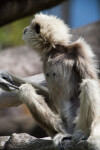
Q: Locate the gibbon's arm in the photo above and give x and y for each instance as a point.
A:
(88, 117)
(38, 82)
(41, 112)
(89, 112)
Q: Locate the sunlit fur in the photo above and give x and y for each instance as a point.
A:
(71, 74)
(53, 31)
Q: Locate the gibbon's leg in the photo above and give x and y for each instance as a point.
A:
(41, 89)
(42, 113)
(37, 105)
(39, 109)
(89, 114)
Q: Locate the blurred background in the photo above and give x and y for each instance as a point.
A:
(23, 61)
(75, 13)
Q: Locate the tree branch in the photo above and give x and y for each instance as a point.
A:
(24, 141)
(11, 10)
(10, 99)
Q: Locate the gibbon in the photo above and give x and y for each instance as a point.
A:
(71, 72)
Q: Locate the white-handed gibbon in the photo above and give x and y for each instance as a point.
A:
(71, 74)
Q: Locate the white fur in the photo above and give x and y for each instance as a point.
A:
(63, 87)
(59, 137)
(53, 28)
(90, 99)
(53, 31)
(28, 96)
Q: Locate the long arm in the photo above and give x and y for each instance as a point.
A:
(40, 110)
(89, 114)
(35, 102)
(89, 105)
(38, 82)
(88, 119)
(38, 106)
(10, 99)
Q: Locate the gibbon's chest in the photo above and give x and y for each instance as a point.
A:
(55, 83)
(62, 82)
(56, 77)
(62, 79)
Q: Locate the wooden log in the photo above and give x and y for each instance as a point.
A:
(11, 10)
(24, 141)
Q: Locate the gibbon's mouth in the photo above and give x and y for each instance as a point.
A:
(25, 30)
(23, 34)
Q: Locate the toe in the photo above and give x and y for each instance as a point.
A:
(78, 136)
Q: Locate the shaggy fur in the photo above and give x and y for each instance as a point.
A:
(71, 73)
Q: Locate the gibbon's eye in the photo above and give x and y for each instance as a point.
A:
(37, 28)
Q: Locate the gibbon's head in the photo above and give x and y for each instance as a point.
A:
(46, 31)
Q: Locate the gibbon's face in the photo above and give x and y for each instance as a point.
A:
(46, 31)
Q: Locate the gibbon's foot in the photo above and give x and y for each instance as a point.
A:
(94, 141)
(67, 140)
(6, 82)
(4, 75)
(60, 137)
(78, 136)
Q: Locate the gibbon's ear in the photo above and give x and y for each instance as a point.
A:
(84, 59)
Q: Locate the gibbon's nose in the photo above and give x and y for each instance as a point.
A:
(25, 30)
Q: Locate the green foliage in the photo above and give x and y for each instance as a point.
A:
(11, 35)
